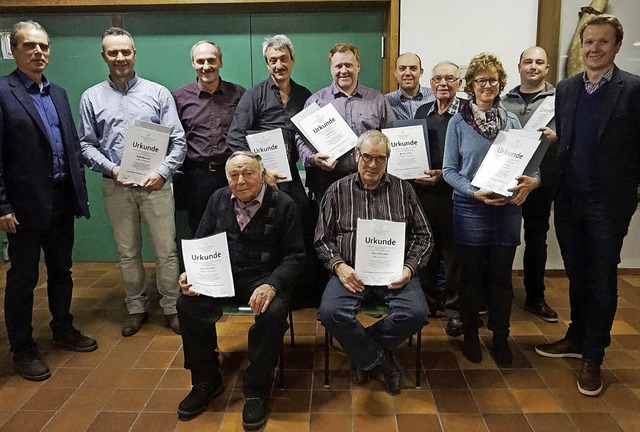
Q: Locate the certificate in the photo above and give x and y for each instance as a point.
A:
(379, 251)
(326, 130)
(271, 147)
(506, 159)
(543, 115)
(208, 266)
(408, 158)
(145, 147)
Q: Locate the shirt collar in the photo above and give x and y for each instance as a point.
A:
(257, 200)
(202, 92)
(605, 78)
(384, 180)
(129, 85)
(452, 109)
(419, 96)
(335, 90)
(31, 85)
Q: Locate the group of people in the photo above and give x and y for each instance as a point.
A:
(275, 235)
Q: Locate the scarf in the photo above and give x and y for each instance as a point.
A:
(487, 124)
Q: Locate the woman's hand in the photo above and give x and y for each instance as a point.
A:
(489, 197)
(525, 185)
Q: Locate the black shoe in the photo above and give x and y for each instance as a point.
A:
(199, 399)
(254, 413)
(455, 327)
(452, 303)
(172, 322)
(471, 348)
(542, 310)
(393, 375)
(359, 376)
(30, 366)
(133, 323)
(75, 341)
(501, 352)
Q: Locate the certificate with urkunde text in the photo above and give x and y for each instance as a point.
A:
(145, 147)
(506, 159)
(271, 147)
(408, 159)
(543, 115)
(379, 251)
(326, 130)
(208, 267)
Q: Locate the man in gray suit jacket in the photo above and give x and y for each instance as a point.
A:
(598, 128)
(42, 189)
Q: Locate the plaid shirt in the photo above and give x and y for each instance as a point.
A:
(590, 88)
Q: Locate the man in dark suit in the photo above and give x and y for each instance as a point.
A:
(598, 127)
(42, 188)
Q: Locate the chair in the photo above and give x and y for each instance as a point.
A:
(234, 310)
(374, 310)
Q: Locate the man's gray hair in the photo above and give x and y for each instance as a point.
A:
(249, 154)
(447, 63)
(374, 137)
(13, 36)
(277, 42)
(117, 31)
(213, 44)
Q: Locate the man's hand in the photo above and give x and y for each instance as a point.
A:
(272, 177)
(489, 197)
(549, 133)
(525, 185)
(8, 223)
(184, 286)
(153, 182)
(321, 160)
(261, 298)
(349, 278)
(404, 279)
(435, 177)
(115, 172)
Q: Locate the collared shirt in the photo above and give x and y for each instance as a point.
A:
(590, 88)
(364, 110)
(405, 107)
(347, 200)
(451, 109)
(106, 113)
(437, 127)
(206, 118)
(261, 109)
(246, 211)
(41, 97)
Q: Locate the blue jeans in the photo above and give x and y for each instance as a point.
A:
(478, 224)
(408, 313)
(590, 240)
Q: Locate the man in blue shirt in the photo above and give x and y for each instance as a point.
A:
(410, 95)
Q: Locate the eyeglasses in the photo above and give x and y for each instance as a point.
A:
(450, 79)
(367, 158)
(482, 82)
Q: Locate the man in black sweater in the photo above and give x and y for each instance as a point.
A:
(264, 235)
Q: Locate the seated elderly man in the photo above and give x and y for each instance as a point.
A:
(371, 193)
(264, 234)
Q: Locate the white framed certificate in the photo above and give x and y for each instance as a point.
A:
(408, 159)
(145, 147)
(208, 266)
(271, 147)
(326, 130)
(379, 251)
(543, 115)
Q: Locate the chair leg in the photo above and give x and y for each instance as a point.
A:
(281, 369)
(327, 336)
(418, 358)
(291, 332)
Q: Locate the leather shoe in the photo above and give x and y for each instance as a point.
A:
(542, 310)
(133, 323)
(254, 413)
(590, 379)
(562, 349)
(75, 341)
(471, 348)
(30, 366)
(452, 303)
(359, 376)
(393, 375)
(172, 322)
(454, 327)
(501, 352)
(199, 399)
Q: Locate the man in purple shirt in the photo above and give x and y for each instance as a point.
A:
(206, 108)
(363, 109)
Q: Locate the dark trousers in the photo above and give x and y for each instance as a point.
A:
(590, 241)
(487, 271)
(536, 211)
(194, 188)
(198, 317)
(22, 277)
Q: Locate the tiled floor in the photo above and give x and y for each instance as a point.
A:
(136, 383)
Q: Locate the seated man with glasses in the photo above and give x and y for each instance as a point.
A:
(371, 193)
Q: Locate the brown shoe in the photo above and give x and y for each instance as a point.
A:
(133, 323)
(561, 349)
(172, 322)
(589, 380)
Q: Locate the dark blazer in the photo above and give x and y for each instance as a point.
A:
(617, 152)
(26, 157)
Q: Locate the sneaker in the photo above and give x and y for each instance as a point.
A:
(454, 327)
(393, 375)
(590, 380)
(30, 366)
(501, 352)
(172, 322)
(359, 376)
(564, 348)
(542, 310)
(471, 348)
(254, 413)
(199, 399)
(483, 310)
(133, 323)
(75, 341)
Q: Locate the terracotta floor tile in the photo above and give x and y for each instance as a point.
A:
(131, 400)
(290, 401)
(595, 422)
(136, 343)
(414, 402)
(175, 379)
(551, 422)
(23, 421)
(330, 422)
(12, 398)
(70, 420)
(120, 358)
(523, 379)
(484, 379)
(370, 402)
(446, 379)
(418, 423)
(558, 378)
(297, 379)
(631, 377)
(46, 399)
(68, 377)
(462, 423)
(142, 378)
(507, 423)
(629, 422)
(4, 417)
(331, 401)
(439, 360)
(629, 342)
(338, 380)
(496, 401)
(88, 399)
(165, 400)
(536, 400)
(287, 422)
(454, 401)
(105, 377)
(205, 422)
(620, 360)
(112, 421)
(90, 359)
(156, 422)
(620, 399)
(165, 343)
(572, 401)
(373, 423)
(155, 360)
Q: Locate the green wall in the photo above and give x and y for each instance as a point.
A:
(163, 42)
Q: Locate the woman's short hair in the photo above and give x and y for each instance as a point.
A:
(481, 63)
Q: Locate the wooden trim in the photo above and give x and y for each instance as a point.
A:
(102, 3)
(391, 32)
(549, 14)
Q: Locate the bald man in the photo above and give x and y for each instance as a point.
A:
(410, 95)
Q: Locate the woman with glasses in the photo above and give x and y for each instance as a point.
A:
(486, 225)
